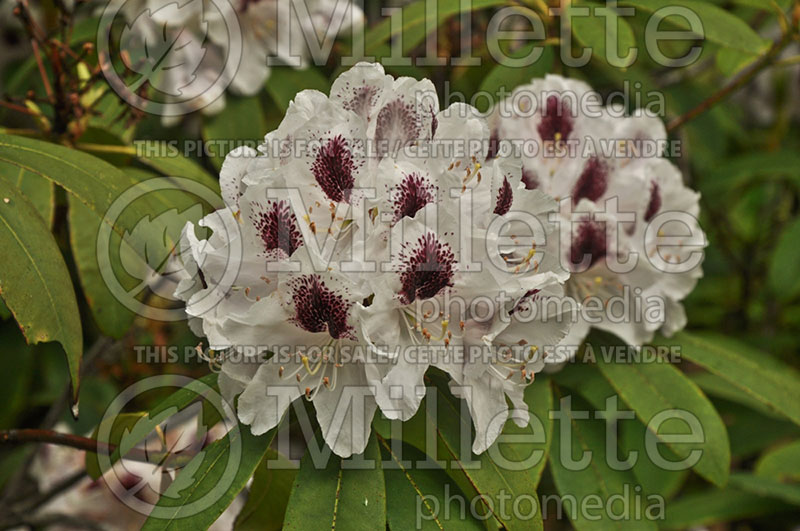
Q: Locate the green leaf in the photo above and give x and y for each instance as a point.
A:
(346, 494)
(95, 182)
(503, 79)
(752, 372)
(168, 161)
(782, 464)
(39, 192)
(594, 480)
(719, 26)
(111, 316)
(782, 278)
(745, 169)
(713, 385)
(715, 506)
(765, 486)
(218, 472)
(414, 28)
(241, 123)
(655, 387)
(588, 381)
(35, 283)
(416, 496)
(730, 61)
(284, 83)
(484, 474)
(268, 496)
(591, 32)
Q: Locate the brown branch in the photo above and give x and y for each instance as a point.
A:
(738, 82)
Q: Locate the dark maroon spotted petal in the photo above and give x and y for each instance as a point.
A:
(655, 202)
(427, 269)
(434, 123)
(523, 301)
(494, 145)
(592, 183)
(530, 179)
(589, 239)
(318, 308)
(411, 196)
(504, 198)
(334, 168)
(362, 101)
(397, 125)
(556, 122)
(277, 227)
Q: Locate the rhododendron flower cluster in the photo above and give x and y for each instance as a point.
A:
(628, 223)
(371, 225)
(373, 235)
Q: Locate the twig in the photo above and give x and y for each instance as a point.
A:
(741, 80)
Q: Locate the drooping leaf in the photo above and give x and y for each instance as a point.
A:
(719, 26)
(766, 486)
(422, 496)
(653, 388)
(35, 283)
(268, 496)
(111, 316)
(715, 506)
(170, 162)
(782, 277)
(782, 463)
(754, 373)
(343, 494)
(584, 479)
(39, 192)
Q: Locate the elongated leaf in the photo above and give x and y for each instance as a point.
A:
(588, 381)
(752, 372)
(783, 280)
(766, 486)
(422, 497)
(268, 496)
(714, 386)
(39, 192)
(112, 317)
(488, 476)
(592, 32)
(94, 182)
(345, 494)
(782, 464)
(284, 83)
(242, 123)
(714, 506)
(414, 28)
(653, 388)
(170, 162)
(215, 477)
(35, 283)
(594, 480)
(719, 26)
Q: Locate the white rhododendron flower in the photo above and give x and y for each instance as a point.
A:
(372, 229)
(619, 200)
(189, 45)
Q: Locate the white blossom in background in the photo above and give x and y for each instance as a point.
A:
(360, 225)
(134, 483)
(182, 48)
(572, 130)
